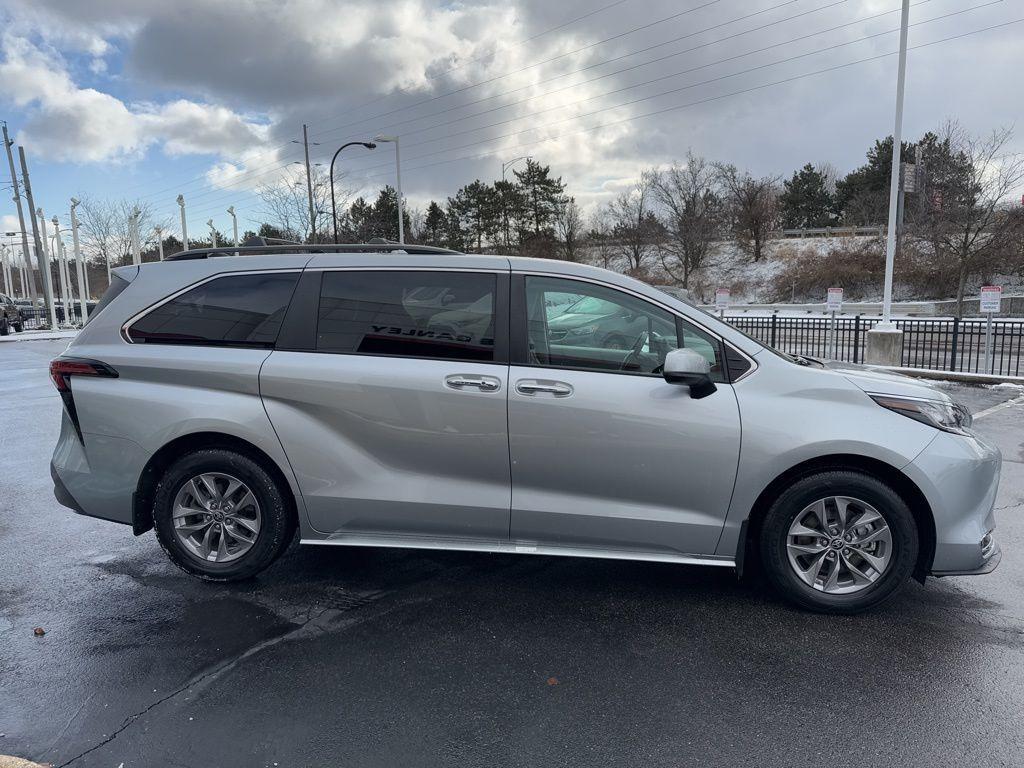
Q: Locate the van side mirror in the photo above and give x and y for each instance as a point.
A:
(684, 366)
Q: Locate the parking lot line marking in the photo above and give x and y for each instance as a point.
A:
(1008, 404)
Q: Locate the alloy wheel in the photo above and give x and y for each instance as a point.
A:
(216, 517)
(839, 545)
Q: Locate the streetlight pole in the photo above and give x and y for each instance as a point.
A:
(510, 163)
(45, 260)
(136, 244)
(159, 241)
(62, 270)
(234, 224)
(184, 228)
(334, 212)
(83, 283)
(398, 179)
(213, 233)
(44, 273)
(885, 341)
(8, 143)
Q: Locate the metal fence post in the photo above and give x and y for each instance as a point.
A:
(956, 339)
(856, 339)
(774, 318)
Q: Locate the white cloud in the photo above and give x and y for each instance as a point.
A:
(68, 123)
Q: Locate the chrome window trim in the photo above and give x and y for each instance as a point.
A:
(674, 312)
(126, 326)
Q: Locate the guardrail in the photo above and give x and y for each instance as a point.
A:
(873, 231)
(950, 344)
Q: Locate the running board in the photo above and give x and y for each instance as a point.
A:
(515, 548)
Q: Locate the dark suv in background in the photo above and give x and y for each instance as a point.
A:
(10, 316)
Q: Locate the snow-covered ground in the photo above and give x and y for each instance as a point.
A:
(38, 335)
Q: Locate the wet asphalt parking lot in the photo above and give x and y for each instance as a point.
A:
(373, 657)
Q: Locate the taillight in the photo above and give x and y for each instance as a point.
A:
(62, 368)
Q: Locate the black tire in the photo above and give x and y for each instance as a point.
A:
(806, 491)
(19, 327)
(277, 526)
(5, 327)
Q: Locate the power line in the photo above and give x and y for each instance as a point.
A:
(249, 176)
(437, 75)
(647, 98)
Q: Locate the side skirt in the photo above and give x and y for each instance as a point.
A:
(516, 548)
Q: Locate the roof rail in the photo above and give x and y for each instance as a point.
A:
(300, 248)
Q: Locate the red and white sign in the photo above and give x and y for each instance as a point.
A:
(722, 298)
(991, 295)
(835, 300)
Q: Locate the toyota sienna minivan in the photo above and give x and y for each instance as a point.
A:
(227, 400)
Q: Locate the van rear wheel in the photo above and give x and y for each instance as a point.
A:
(839, 542)
(221, 516)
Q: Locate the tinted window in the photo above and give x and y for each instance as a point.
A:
(117, 284)
(238, 310)
(607, 330)
(447, 315)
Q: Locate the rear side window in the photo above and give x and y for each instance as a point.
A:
(235, 310)
(117, 284)
(443, 315)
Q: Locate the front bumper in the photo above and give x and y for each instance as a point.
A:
(959, 477)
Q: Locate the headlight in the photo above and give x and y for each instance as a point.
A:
(944, 415)
(585, 330)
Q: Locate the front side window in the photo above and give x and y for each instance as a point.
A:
(235, 310)
(443, 315)
(603, 329)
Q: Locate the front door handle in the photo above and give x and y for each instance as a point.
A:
(543, 386)
(472, 380)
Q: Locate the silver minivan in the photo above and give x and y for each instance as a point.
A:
(394, 396)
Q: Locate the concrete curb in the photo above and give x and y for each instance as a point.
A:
(964, 378)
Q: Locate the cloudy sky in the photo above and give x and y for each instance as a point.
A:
(148, 98)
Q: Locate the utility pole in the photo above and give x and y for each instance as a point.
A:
(184, 228)
(8, 143)
(309, 185)
(83, 284)
(41, 259)
(885, 340)
(159, 241)
(398, 180)
(213, 233)
(8, 280)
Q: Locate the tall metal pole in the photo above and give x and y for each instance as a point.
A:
(334, 210)
(398, 178)
(159, 241)
(136, 244)
(894, 181)
(8, 280)
(62, 271)
(235, 224)
(213, 233)
(309, 185)
(42, 255)
(184, 228)
(83, 285)
(8, 143)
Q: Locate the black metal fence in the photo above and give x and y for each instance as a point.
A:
(38, 317)
(951, 344)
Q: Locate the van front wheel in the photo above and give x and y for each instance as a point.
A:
(839, 542)
(221, 516)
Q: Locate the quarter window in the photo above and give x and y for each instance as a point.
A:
(236, 310)
(444, 315)
(572, 324)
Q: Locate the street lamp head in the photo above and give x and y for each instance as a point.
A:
(382, 139)
(75, 202)
(210, 223)
(56, 221)
(181, 200)
(369, 145)
(231, 210)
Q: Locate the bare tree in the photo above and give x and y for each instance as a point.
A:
(599, 237)
(964, 214)
(569, 229)
(635, 228)
(694, 214)
(286, 204)
(752, 205)
(106, 229)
